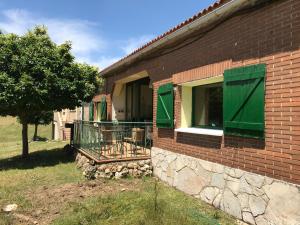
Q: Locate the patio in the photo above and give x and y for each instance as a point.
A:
(113, 141)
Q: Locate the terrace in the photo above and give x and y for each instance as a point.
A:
(113, 141)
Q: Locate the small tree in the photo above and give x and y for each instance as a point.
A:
(44, 118)
(36, 75)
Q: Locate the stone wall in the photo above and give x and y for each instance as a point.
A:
(113, 170)
(252, 198)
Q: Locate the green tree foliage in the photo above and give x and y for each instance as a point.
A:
(36, 75)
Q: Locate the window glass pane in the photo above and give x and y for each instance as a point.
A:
(208, 106)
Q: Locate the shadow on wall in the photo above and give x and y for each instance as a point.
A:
(165, 133)
(205, 141)
(240, 143)
(215, 142)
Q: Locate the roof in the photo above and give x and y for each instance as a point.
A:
(185, 23)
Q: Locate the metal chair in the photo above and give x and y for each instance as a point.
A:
(136, 139)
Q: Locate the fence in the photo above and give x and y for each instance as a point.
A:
(113, 140)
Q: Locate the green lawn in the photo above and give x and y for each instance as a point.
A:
(50, 190)
(11, 132)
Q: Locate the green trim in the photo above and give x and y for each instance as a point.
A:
(208, 127)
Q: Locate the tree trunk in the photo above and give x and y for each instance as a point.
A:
(25, 149)
(35, 132)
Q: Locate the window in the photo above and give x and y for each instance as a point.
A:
(207, 109)
(233, 103)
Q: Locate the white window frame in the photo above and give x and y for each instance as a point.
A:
(186, 107)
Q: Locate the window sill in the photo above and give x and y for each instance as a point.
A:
(203, 131)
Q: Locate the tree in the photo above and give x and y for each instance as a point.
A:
(37, 75)
(44, 118)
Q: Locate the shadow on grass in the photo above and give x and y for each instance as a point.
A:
(42, 158)
(38, 138)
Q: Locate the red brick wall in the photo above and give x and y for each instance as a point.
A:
(269, 34)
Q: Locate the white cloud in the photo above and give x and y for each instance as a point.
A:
(79, 32)
(102, 61)
(133, 43)
(87, 45)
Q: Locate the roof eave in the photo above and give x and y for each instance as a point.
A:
(217, 14)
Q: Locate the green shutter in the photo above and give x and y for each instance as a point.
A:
(165, 105)
(103, 109)
(91, 111)
(243, 101)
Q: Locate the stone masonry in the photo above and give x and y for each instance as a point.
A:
(113, 170)
(252, 198)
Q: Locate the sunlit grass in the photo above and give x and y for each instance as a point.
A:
(49, 165)
(11, 133)
(141, 208)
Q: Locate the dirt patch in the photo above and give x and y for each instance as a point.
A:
(49, 202)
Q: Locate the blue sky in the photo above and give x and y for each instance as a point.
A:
(101, 31)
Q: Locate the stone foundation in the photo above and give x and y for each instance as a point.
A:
(114, 170)
(250, 197)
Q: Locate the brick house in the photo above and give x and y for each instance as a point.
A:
(223, 91)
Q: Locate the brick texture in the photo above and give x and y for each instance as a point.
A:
(269, 34)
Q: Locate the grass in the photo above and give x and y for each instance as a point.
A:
(141, 208)
(49, 189)
(47, 165)
(11, 132)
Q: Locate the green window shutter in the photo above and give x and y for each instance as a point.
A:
(91, 111)
(165, 105)
(243, 101)
(103, 109)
